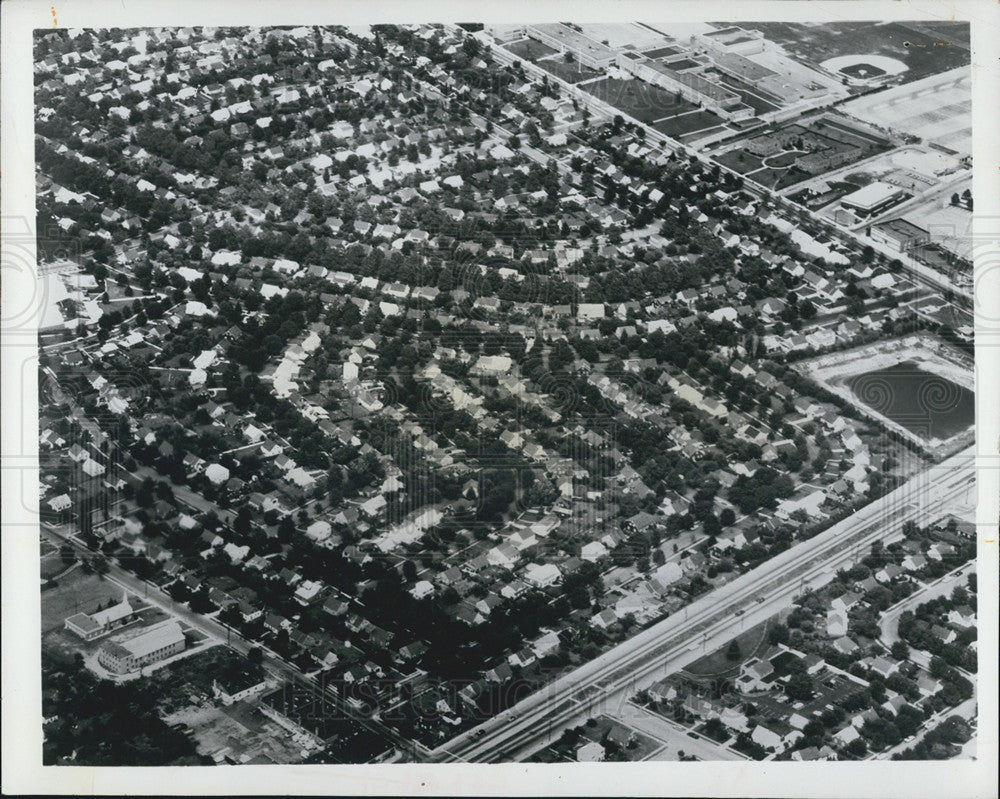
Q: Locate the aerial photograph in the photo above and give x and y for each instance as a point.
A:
(478, 393)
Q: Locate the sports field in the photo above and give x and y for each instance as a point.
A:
(926, 48)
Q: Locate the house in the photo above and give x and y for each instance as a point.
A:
(308, 591)
(663, 691)
(844, 602)
(604, 619)
(775, 735)
(884, 667)
(846, 736)
(590, 752)
(927, 685)
(836, 624)
(844, 645)
(914, 563)
(755, 675)
(944, 634)
(593, 551)
(619, 736)
(546, 644)
(422, 589)
(939, 551)
(542, 575)
(888, 573)
(963, 617)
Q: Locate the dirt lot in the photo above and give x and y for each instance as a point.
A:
(242, 732)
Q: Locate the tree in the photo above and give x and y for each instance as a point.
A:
(900, 651)
(255, 655)
(799, 687)
(733, 650)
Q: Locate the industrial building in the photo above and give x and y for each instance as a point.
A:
(567, 40)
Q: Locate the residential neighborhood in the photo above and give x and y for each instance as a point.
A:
(418, 369)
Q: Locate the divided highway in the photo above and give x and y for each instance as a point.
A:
(605, 683)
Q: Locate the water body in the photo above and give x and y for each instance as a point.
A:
(926, 404)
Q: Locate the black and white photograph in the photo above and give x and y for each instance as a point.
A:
(427, 394)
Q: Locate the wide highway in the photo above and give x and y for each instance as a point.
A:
(605, 683)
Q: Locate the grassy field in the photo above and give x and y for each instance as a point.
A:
(638, 99)
(715, 664)
(76, 593)
(740, 161)
(530, 49)
(688, 123)
(572, 72)
(783, 159)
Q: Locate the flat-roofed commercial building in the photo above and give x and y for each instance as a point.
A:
(692, 87)
(873, 198)
(564, 39)
(900, 234)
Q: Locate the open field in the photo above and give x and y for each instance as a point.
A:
(688, 123)
(569, 71)
(740, 161)
(639, 99)
(76, 593)
(530, 49)
(925, 49)
(937, 109)
(919, 387)
(716, 665)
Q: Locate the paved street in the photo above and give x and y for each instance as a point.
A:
(674, 737)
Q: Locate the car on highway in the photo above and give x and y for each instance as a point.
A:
(480, 733)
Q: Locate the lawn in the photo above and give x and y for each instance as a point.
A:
(778, 178)
(701, 133)
(716, 664)
(639, 99)
(572, 72)
(530, 49)
(783, 159)
(688, 123)
(740, 161)
(76, 593)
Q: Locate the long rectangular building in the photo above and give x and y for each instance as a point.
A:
(564, 39)
(131, 654)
